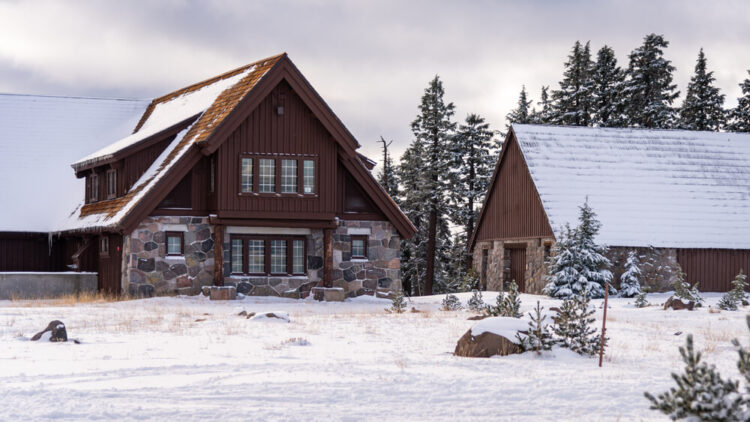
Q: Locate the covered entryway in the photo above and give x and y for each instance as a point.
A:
(515, 267)
(110, 263)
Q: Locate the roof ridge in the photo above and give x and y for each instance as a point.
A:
(653, 129)
(198, 85)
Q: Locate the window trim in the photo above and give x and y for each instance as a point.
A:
(364, 239)
(111, 177)
(169, 234)
(267, 254)
(277, 158)
(93, 188)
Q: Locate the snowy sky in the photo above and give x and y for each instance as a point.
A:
(370, 60)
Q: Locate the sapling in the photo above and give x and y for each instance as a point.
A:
(476, 303)
(573, 326)
(398, 304)
(538, 336)
(452, 303)
(683, 290)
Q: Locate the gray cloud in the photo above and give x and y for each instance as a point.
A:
(369, 59)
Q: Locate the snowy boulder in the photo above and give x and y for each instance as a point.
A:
(490, 337)
(270, 316)
(678, 305)
(55, 332)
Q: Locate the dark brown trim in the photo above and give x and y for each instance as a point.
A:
(278, 158)
(361, 216)
(327, 258)
(183, 212)
(181, 235)
(275, 215)
(274, 223)
(364, 238)
(267, 241)
(219, 255)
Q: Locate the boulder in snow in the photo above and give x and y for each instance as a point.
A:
(678, 305)
(223, 293)
(270, 316)
(55, 332)
(490, 337)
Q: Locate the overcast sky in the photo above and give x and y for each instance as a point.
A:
(370, 60)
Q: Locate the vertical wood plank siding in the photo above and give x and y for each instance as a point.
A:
(296, 131)
(30, 252)
(135, 165)
(714, 269)
(513, 208)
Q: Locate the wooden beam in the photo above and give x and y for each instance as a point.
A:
(274, 223)
(218, 255)
(327, 258)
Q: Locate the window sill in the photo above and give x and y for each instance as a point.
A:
(278, 195)
(359, 260)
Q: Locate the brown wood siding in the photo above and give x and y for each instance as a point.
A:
(714, 269)
(133, 166)
(296, 131)
(514, 209)
(31, 252)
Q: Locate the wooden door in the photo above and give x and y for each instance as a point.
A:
(517, 268)
(110, 263)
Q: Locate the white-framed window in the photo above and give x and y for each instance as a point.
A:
(246, 175)
(309, 176)
(359, 246)
(288, 176)
(278, 256)
(256, 256)
(237, 256)
(298, 256)
(267, 177)
(174, 243)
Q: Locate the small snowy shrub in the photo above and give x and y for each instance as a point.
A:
(630, 281)
(727, 303)
(538, 337)
(573, 326)
(452, 303)
(702, 394)
(736, 297)
(640, 300)
(469, 281)
(506, 305)
(398, 304)
(683, 290)
(476, 303)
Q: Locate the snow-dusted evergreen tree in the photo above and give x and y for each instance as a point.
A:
(701, 393)
(740, 115)
(434, 128)
(630, 280)
(398, 303)
(545, 113)
(736, 297)
(538, 336)
(573, 326)
(506, 305)
(413, 200)
(451, 303)
(522, 113)
(476, 303)
(608, 109)
(648, 89)
(387, 177)
(684, 291)
(703, 108)
(579, 265)
(640, 300)
(472, 161)
(573, 101)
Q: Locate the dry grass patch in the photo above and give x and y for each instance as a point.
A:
(70, 300)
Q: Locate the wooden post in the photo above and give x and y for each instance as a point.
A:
(327, 258)
(218, 255)
(604, 323)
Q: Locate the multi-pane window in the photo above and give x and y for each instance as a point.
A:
(309, 176)
(267, 181)
(94, 188)
(174, 243)
(268, 254)
(111, 183)
(298, 256)
(237, 256)
(288, 176)
(359, 246)
(278, 256)
(246, 175)
(256, 256)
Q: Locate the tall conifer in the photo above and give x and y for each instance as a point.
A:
(740, 116)
(608, 78)
(573, 101)
(703, 108)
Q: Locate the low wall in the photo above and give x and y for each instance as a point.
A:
(45, 285)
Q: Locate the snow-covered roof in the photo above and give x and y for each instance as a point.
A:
(662, 188)
(39, 137)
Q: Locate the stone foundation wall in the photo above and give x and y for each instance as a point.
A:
(147, 268)
(380, 272)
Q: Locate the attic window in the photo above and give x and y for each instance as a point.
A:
(111, 183)
(94, 187)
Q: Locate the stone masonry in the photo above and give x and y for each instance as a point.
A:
(148, 269)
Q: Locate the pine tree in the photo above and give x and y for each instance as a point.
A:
(703, 106)
(472, 162)
(573, 326)
(413, 200)
(434, 128)
(640, 300)
(736, 297)
(521, 114)
(451, 303)
(538, 337)
(740, 115)
(630, 284)
(573, 101)
(388, 178)
(398, 304)
(506, 305)
(579, 264)
(476, 303)
(648, 89)
(683, 290)
(701, 393)
(608, 108)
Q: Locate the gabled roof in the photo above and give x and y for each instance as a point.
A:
(220, 104)
(661, 188)
(39, 136)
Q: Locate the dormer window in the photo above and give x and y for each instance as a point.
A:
(111, 183)
(93, 187)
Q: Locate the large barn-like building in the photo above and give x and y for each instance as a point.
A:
(679, 198)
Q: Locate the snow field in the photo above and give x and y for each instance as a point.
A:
(188, 358)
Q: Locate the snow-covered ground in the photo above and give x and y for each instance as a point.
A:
(187, 358)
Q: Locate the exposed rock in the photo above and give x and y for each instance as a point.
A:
(206, 290)
(263, 291)
(250, 315)
(57, 332)
(314, 262)
(242, 313)
(333, 294)
(476, 318)
(150, 246)
(223, 293)
(678, 305)
(278, 316)
(244, 287)
(146, 265)
(485, 345)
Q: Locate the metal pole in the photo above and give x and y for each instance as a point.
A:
(604, 323)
